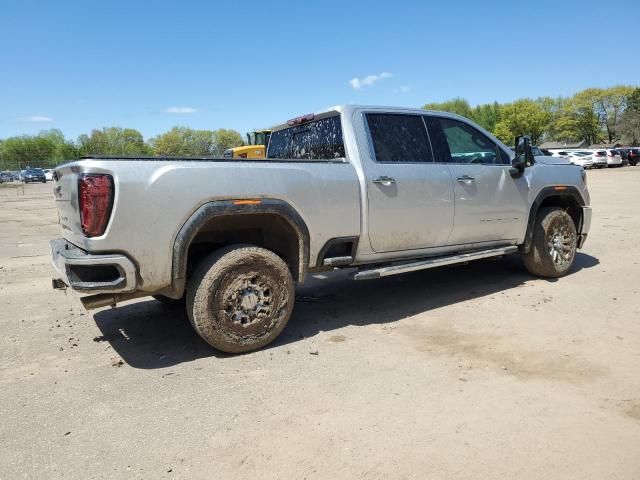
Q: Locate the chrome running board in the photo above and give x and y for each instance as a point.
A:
(395, 268)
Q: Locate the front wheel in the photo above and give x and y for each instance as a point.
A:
(240, 298)
(554, 245)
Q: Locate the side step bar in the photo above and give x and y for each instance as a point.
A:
(395, 268)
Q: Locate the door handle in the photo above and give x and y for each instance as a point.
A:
(466, 179)
(384, 180)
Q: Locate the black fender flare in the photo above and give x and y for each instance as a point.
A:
(565, 192)
(222, 208)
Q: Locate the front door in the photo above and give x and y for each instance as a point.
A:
(490, 205)
(409, 197)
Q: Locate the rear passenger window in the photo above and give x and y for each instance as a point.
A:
(399, 138)
(458, 142)
(318, 140)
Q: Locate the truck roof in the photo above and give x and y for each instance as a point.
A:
(351, 107)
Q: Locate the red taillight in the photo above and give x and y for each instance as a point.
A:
(95, 196)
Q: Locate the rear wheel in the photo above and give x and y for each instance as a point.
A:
(554, 245)
(240, 298)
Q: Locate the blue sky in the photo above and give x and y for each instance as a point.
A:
(78, 65)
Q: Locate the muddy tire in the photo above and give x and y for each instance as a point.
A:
(240, 298)
(553, 249)
(171, 302)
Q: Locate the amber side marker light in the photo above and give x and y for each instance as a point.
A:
(246, 202)
(560, 188)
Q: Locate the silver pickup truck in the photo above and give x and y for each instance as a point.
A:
(377, 189)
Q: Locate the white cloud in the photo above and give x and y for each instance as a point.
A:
(36, 119)
(368, 81)
(181, 110)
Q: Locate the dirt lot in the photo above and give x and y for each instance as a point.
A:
(479, 371)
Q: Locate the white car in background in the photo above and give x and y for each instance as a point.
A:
(580, 158)
(48, 174)
(614, 159)
(599, 158)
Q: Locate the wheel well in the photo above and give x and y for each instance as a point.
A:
(567, 201)
(267, 230)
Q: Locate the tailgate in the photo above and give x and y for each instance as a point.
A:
(65, 191)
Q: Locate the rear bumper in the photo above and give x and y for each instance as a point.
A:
(105, 273)
(586, 225)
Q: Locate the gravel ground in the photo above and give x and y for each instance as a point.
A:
(476, 371)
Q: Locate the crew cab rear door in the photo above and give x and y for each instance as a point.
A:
(409, 197)
(490, 204)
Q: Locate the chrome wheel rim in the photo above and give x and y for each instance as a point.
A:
(248, 300)
(562, 245)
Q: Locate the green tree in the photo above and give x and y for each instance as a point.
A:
(578, 119)
(183, 141)
(226, 139)
(27, 150)
(113, 141)
(64, 151)
(522, 117)
(609, 104)
(629, 124)
(456, 105)
(487, 115)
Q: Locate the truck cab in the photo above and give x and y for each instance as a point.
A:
(380, 190)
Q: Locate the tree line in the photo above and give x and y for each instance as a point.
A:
(49, 147)
(595, 115)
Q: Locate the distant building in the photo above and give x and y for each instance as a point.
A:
(567, 145)
(606, 145)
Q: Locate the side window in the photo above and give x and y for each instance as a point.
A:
(318, 140)
(464, 144)
(399, 138)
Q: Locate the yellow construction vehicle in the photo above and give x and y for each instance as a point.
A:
(256, 146)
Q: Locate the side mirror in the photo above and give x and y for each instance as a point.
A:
(524, 155)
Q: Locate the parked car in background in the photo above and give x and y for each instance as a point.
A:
(599, 158)
(557, 152)
(34, 175)
(613, 158)
(624, 154)
(48, 174)
(634, 156)
(581, 159)
(6, 177)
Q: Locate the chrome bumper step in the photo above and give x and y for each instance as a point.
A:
(422, 264)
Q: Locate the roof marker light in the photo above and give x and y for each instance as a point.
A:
(300, 120)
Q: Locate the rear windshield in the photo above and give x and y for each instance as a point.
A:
(318, 140)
